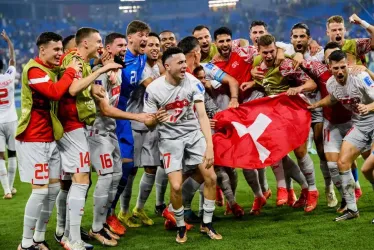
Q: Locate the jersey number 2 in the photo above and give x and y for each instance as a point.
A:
(133, 77)
(3, 96)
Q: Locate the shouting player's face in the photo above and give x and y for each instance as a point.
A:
(176, 66)
(300, 40)
(51, 53)
(153, 48)
(118, 47)
(268, 54)
(138, 41)
(339, 70)
(256, 32)
(204, 38)
(167, 40)
(336, 32)
(224, 44)
(94, 45)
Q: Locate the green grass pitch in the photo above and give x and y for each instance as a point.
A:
(276, 228)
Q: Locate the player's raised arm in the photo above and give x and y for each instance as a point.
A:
(12, 55)
(370, 28)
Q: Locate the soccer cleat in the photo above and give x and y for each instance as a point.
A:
(282, 196)
(191, 217)
(312, 201)
(258, 203)
(220, 201)
(88, 246)
(343, 207)
(140, 213)
(348, 215)
(22, 248)
(115, 226)
(128, 220)
(237, 210)
(228, 210)
(78, 245)
(302, 199)
(181, 235)
(331, 198)
(267, 193)
(291, 197)
(7, 196)
(358, 193)
(210, 231)
(169, 216)
(41, 245)
(14, 191)
(64, 241)
(58, 238)
(84, 235)
(110, 233)
(159, 209)
(103, 237)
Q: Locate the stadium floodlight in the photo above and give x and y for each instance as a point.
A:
(132, 0)
(222, 3)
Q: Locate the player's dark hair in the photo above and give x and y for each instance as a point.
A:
(154, 35)
(67, 40)
(137, 26)
(47, 37)
(169, 53)
(109, 39)
(166, 31)
(257, 23)
(222, 31)
(301, 26)
(337, 56)
(83, 33)
(265, 40)
(187, 44)
(332, 45)
(198, 28)
(197, 70)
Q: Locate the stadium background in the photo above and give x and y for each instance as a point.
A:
(275, 228)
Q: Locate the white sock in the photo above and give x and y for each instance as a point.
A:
(209, 206)
(4, 177)
(161, 183)
(12, 168)
(61, 211)
(179, 216)
(279, 174)
(348, 184)
(145, 189)
(307, 168)
(100, 196)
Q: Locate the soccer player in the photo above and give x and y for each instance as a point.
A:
(76, 111)
(355, 48)
(104, 147)
(38, 128)
(8, 123)
(135, 60)
(356, 94)
(167, 39)
(69, 43)
(183, 143)
(277, 79)
(146, 153)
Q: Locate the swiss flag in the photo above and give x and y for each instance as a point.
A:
(261, 132)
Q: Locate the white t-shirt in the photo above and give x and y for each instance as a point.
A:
(8, 111)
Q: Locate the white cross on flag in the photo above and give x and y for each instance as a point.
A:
(261, 132)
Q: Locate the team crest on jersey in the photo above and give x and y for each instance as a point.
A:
(235, 64)
(200, 87)
(368, 81)
(98, 82)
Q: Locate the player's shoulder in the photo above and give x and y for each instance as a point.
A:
(155, 84)
(331, 82)
(11, 70)
(363, 77)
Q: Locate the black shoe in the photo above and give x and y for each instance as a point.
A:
(58, 238)
(84, 235)
(159, 209)
(41, 245)
(181, 235)
(190, 217)
(348, 215)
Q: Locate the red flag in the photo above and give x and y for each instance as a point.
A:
(261, 132)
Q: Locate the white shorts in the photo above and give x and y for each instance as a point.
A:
(183, 153)
(7, 136)
(317, 116)
(333, 135)
(38, 162)
(146, 151)
(74, 151)
(105, 153)
(362, 140)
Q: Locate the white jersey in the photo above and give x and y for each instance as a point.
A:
(289, 50)
(8, 111)
(135, 103)
(357, 90)
(178, 101)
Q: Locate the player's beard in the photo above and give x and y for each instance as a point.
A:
(341, 78)
(225, 53)
(301, 48)
(118, 59)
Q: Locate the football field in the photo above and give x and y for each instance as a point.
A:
(275, 228)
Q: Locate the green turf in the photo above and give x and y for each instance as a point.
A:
(275, 228)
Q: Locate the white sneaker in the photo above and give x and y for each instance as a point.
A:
(331, 198)
(14, 191)
(78, 245)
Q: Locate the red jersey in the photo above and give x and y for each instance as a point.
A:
(335, 114)
(239, 65)
(44, 89)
